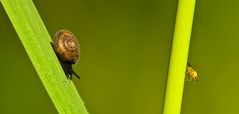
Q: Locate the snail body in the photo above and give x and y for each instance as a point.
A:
(67, 49)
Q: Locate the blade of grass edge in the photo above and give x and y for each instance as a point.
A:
(36, 41)
(179, 56)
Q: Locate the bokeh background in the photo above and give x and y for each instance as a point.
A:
(125, 49)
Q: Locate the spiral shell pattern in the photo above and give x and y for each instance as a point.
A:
(66, 46)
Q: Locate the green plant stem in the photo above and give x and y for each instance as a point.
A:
(36, 41)
(178, 58)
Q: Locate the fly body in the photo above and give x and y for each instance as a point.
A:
(191, 73)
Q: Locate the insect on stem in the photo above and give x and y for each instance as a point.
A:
(191, 73)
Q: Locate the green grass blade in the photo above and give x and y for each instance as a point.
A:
(179, 55)
(36, 41)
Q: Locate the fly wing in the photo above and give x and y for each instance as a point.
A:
(189, 64)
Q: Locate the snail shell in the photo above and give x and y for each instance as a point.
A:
(66, 46)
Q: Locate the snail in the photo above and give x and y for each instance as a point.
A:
(67, 49)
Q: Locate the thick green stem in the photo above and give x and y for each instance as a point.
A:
(36, 41)
(179, 55)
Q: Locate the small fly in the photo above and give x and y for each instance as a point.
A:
(191, 73)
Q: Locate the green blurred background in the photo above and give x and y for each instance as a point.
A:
(125, 49)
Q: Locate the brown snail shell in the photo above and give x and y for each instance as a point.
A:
(67, 49)
(66, 46)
